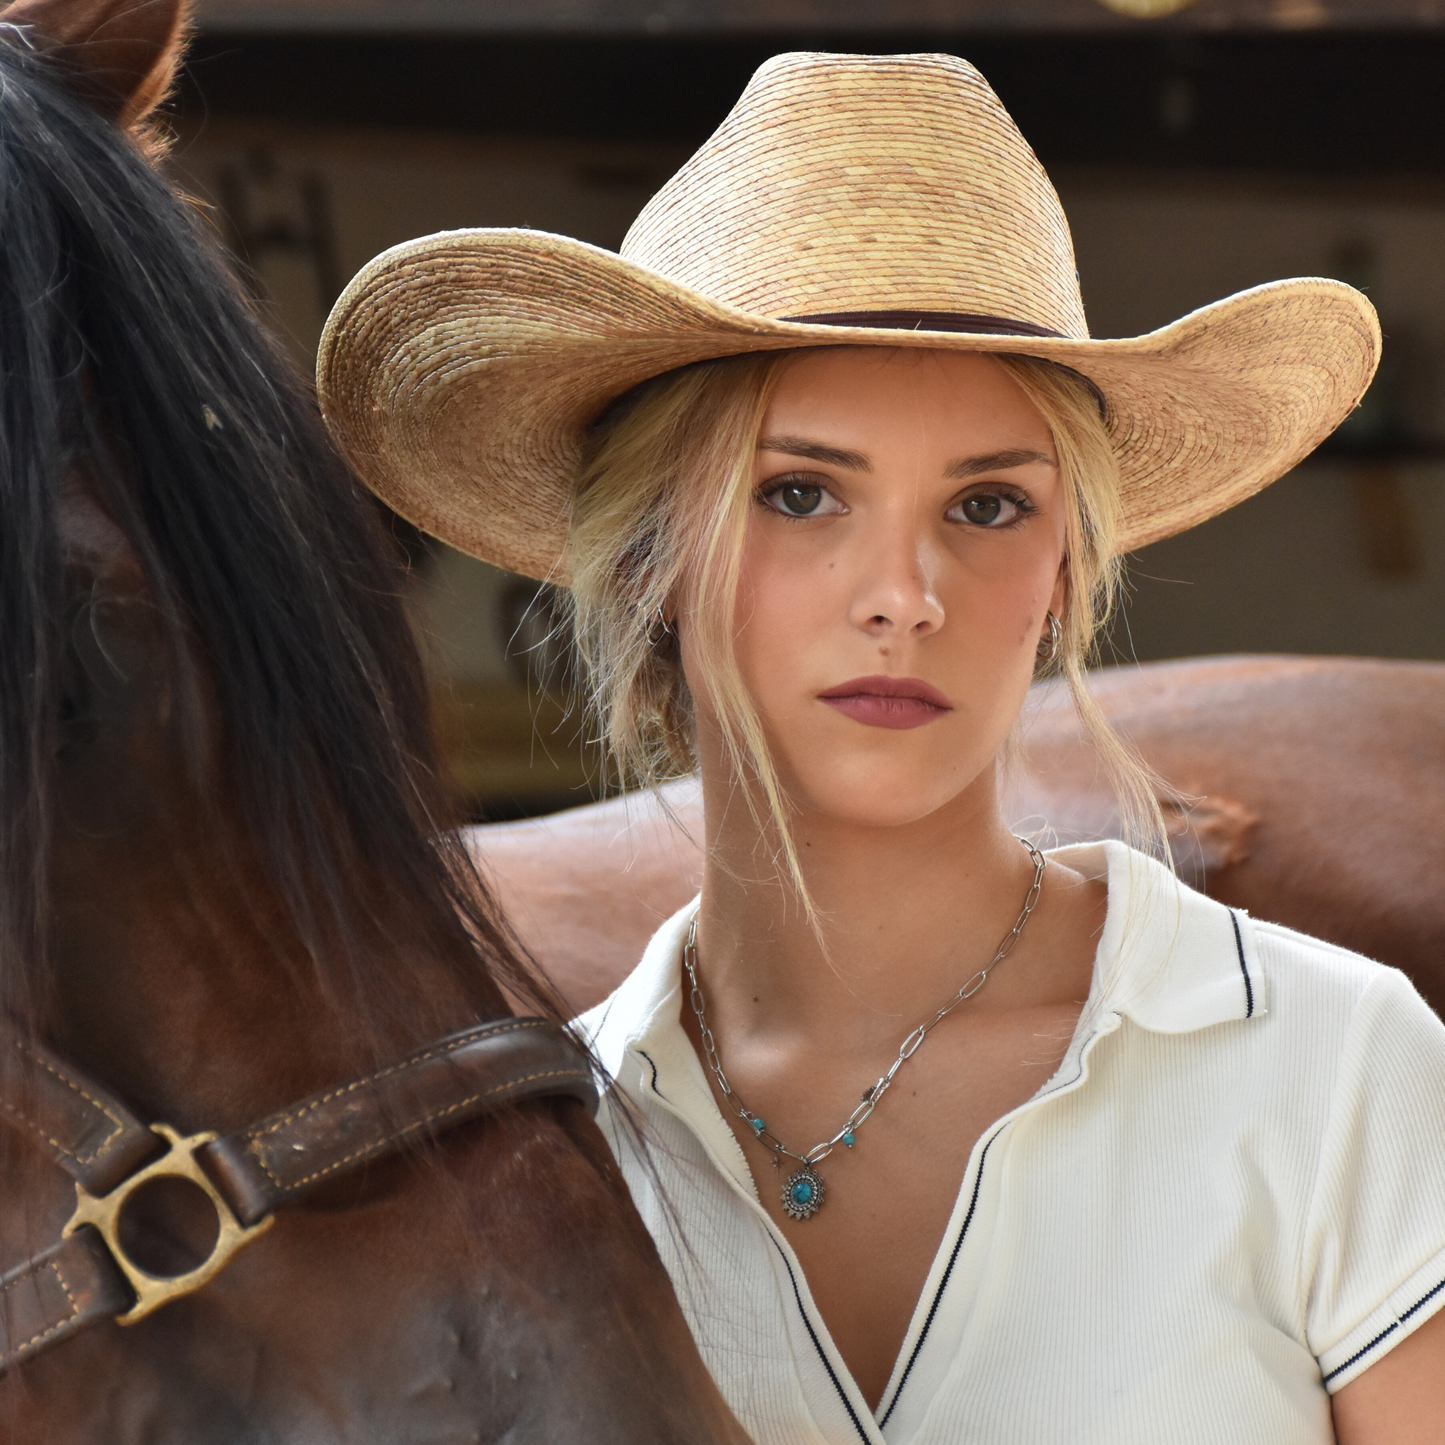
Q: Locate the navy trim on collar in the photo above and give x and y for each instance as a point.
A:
(1243, 967)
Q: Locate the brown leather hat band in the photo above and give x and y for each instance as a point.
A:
(962, 321)
(929, 321)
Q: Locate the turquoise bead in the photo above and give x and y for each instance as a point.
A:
(848, 1139)
(759, 1125)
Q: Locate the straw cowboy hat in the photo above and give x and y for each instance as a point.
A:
(847, 199)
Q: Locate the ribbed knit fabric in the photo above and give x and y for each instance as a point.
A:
(1225, 1204)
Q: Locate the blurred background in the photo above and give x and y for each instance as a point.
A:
(1199, 148)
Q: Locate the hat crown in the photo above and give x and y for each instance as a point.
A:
(845, 183)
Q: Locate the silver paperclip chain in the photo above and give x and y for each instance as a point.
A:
(907, 1049)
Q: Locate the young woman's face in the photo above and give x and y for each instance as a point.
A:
(905, 542)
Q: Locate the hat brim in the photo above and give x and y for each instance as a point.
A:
(459, 374)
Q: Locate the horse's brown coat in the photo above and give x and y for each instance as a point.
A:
(498, 1285)
(1314, 796)
(495, 1285)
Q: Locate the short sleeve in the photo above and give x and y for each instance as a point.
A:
(1374, 1245)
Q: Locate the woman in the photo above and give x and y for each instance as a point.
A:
(953, 1140)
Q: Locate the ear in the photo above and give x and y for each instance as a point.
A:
(1060, 599)
(121, 55)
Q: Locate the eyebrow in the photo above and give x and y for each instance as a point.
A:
(958, 470)
(964, 467)
(816, 452)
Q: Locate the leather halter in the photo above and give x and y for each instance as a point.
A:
(87, 1276)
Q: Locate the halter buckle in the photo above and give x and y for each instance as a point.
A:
(103, 1214)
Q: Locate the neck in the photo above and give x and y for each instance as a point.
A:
(905, 914)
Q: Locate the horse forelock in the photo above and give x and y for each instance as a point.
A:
(127, 343)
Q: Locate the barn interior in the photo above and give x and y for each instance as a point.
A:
(1199, 149)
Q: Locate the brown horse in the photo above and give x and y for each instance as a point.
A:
(1310, 791)
(224, 880)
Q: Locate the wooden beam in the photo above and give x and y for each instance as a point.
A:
(813, 17)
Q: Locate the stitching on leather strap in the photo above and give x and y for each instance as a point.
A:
(30, 1124)
(81, 1311)
(382, 1144)
(44, 1334)
(486, 1030)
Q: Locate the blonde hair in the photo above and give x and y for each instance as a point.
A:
(663, 494)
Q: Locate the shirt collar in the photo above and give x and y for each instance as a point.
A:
(1169, 958)
(648, 1002)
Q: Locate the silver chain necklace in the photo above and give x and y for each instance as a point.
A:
(803, 1192)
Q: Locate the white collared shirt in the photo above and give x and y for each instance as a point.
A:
(1228, 1201)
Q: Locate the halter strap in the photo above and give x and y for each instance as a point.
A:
(86, 1276)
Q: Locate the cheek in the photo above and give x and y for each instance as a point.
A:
(988, 649)
(1008, 590)
(784, 603)
(1000, 594)
(1024, 602)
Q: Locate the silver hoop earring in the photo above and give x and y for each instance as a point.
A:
(1048, 648)
(663, 624)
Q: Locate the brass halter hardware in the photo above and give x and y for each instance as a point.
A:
(86, 1276)
(103, 1213)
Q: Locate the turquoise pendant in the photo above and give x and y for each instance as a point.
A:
(803, 1193)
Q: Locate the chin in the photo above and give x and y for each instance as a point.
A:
(871, 795)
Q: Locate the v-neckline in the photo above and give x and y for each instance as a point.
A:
(920, 1344)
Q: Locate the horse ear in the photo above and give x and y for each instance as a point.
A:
(121, 55)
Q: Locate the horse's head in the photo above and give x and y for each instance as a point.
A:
(206, 670)
(117, 712)
(115, 679)
(220, 823)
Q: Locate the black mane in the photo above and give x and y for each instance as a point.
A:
(126, 340)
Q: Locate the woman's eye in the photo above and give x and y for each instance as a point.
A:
(986, 509)
(802, 499)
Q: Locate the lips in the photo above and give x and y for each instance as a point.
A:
(887, 702)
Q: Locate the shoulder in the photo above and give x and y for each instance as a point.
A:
(1346, 1029)
(1292, 955)
(1177, 962)
(1273, 1019)
(1317, 981)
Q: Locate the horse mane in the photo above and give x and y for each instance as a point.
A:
(128, 345)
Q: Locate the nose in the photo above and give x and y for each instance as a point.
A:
(894, 596)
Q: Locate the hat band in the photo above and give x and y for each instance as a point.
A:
(929, 321)
(951, 321)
